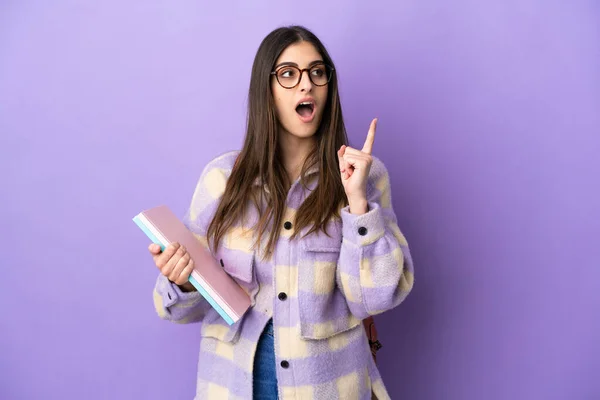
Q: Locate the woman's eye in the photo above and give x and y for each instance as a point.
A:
(288, 73)
(318, 72)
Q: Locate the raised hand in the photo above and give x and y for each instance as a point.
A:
(355, 166)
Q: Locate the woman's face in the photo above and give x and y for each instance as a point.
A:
(300, 108)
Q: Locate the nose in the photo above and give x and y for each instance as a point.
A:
(305, 84)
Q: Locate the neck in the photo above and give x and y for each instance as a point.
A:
(294, 151)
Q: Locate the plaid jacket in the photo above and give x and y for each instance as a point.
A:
(317, 289)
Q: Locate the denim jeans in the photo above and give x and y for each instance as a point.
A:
(265, 378)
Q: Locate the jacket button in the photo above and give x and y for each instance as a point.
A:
(282, 296)
(287, 225)
(222, 265)
(362, 231)
(285, 364)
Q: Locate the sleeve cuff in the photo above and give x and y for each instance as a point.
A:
(172, 294)
(363, 229)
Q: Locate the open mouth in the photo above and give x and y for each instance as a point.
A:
(306, 110)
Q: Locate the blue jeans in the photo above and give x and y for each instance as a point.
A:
(265, 378)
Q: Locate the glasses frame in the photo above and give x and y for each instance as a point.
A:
(327, 66)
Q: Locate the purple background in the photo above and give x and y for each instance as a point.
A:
(489, 124)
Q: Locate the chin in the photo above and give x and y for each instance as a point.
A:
(304, 130)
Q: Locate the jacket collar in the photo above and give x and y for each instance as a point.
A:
(309, 173)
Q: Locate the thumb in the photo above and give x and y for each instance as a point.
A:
(154, 248)
(340, 154)
(344, 165)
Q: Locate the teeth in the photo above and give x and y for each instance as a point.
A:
(305, 103)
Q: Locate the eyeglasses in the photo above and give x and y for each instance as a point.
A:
(289, 76)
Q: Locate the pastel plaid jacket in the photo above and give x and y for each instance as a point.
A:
(317, 289)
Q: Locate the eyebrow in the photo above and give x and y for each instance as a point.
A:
(296, 65)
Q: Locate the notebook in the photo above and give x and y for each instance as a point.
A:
(223, 293)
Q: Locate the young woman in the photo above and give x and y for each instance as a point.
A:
(305, 225)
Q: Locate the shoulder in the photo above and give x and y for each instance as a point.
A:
(215, 174)
(210, 186)
(223, 162)
(219, 168)
(378, 182)
(378, 171)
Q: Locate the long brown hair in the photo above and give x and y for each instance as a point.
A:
(260, 158)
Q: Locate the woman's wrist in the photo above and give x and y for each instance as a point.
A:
(358, 206)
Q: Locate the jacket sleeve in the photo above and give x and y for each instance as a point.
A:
(375, 270)
(170, 302)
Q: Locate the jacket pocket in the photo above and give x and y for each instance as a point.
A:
(214, 326)
(323, 310)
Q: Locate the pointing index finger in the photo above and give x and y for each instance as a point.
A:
(368, 146)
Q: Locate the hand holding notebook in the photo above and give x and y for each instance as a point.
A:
(202, 270)
(175, 263)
